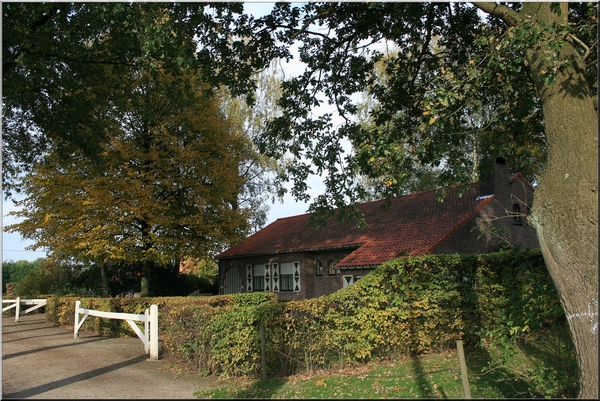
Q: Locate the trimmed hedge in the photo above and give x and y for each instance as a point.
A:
(409, 305)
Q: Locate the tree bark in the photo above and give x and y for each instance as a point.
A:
(146, 279)
(104, 279)
(565, 208)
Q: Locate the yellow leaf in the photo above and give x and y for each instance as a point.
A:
(432, 120)
(321, 383)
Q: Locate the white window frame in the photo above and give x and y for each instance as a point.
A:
(286, 270)
(255, 276)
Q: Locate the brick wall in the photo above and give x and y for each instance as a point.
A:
(496, 225)
(311, 284)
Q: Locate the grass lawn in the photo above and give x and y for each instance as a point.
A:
(430, 376)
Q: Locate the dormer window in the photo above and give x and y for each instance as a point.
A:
(517, 216)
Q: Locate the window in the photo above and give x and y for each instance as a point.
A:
(517, 216)
(319, 268)
(330, 269)
(286, 278)
(347, 281)
(258, 278)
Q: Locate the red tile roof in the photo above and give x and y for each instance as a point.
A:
(413, 224)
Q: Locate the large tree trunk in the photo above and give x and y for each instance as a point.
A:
(147, 271)
(104, 279)
(565, 208)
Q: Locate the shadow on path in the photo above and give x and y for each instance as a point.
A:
(31, 392)
(36, 350)
(29, 338)
(43, 361)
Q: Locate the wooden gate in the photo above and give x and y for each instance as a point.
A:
(150, 319)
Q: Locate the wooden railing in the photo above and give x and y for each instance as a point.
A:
(150, 318)
(17, 303)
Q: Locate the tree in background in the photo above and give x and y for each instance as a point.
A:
(61, 62)
(164, 188)
(250, 121)
(13, 272)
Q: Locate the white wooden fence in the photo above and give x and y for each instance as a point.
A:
(17, 303)
(150, 318)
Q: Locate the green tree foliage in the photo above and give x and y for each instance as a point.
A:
(13, 272)
(164, 187)
(257, 169)
(45, 277)
(62, 61)
(517, 80)
(449, 87)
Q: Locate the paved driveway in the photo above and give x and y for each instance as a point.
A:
(42, 361)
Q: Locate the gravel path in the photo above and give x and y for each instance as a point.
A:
(42, 361)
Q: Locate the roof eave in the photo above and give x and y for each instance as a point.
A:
(356, 267)
(317, 249)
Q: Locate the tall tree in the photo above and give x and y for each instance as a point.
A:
(163, 189)
(527, 61)
(62, 61)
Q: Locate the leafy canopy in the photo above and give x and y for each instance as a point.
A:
(61, 62)
(449, 88)
(164, 186)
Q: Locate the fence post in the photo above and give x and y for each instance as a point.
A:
(147, 330)
(17, 309)
(463, 368)
(76, 326)
(153, 332)
(263, 351)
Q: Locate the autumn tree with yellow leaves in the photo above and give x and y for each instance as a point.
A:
(164, 188)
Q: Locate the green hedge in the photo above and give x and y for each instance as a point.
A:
(415, 305)
(406, 306)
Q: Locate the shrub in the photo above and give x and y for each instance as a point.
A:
(406, 306)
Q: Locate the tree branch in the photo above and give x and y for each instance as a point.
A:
(507, 15)
(310, 21)
(577, 40)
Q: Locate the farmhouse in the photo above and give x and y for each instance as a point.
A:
(299, 262)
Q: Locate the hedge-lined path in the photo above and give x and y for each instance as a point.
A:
(42, 361)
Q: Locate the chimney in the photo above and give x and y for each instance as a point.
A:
(497, 179)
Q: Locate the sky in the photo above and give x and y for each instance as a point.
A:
(13, 246)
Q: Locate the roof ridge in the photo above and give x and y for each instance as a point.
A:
(518, 175)
(378, 200)
(292, 216)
